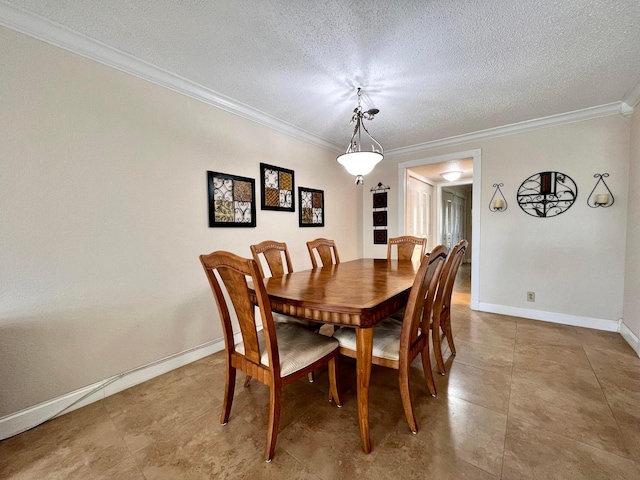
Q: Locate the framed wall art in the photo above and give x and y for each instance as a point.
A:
(277, 185)
(380, 213)
(231, 200)
(311, 211)
(380, 200)
(547, 194)
(380, 218)
(379, 237)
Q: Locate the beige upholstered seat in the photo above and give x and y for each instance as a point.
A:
(297, 347)
(406, 246)
(325, 249)
(396, 343)
(278, 354)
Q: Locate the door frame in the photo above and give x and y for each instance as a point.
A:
(476, 155)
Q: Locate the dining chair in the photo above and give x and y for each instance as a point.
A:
(277, 258)
(442, 303)
(396, 343)
(276, 356)
(406, 246)
(325, 249)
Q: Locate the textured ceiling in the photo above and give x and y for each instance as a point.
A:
(435, 69)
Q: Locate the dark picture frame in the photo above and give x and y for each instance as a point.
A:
(380, 200)
(277, 185)
(232, 200)
(311, 208)
(380, 218)
(379, 237)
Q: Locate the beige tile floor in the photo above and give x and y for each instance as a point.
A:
(522, 399)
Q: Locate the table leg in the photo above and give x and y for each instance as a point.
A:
(364, 344)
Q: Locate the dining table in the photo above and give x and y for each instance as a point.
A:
(356, 294)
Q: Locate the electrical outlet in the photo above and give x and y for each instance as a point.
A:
(531, 296)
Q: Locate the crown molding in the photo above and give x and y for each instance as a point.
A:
(632, 97)
(615, 108)
(75, 42)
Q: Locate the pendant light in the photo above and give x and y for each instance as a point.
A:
(357, 161)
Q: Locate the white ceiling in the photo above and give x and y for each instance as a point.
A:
(435, 69)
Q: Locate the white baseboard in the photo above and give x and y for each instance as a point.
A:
(630, 337)
(28, 418)
(574, 320)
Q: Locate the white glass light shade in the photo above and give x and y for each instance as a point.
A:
(451, 176)
(359, 163)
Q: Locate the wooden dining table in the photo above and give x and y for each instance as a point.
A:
(358, 294)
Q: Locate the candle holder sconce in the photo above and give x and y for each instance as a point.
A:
(498, 203)
(601, 199)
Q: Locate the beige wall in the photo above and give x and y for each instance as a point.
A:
(573, 262)
(632, 270)
(103, 213)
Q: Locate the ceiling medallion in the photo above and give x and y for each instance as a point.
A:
(547, 194)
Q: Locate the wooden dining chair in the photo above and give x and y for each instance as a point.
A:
(277, 258)
(325, 249)
(396, 343)
(442, 303)
(276, 356)
(406, 246)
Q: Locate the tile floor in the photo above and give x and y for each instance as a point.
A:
(522, 399)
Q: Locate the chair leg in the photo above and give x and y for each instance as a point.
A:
(333, 382)
(310, 377)
(428, 373)
(405, 395)
(275, 397)
(446, 324)
(229, 388)
(437, 345)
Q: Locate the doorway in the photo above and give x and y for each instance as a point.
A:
(441, 189)
(454, 208)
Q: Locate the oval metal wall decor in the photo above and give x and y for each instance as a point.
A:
(547, 194)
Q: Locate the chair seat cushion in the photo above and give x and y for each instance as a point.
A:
(386, 339)
(302, 322)
(297, 347)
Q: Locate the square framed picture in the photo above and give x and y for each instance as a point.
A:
(277, 186)
(380, 218)
(380, 200)
(379, 237)
(311, 211)
(231, 200)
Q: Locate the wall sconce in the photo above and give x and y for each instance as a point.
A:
(602, 198)
(498, 203)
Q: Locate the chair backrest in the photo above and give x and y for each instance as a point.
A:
(273, 253)
(420, 303)
(406, 246)
(447, 279)
(326, 250)
(233, 272)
